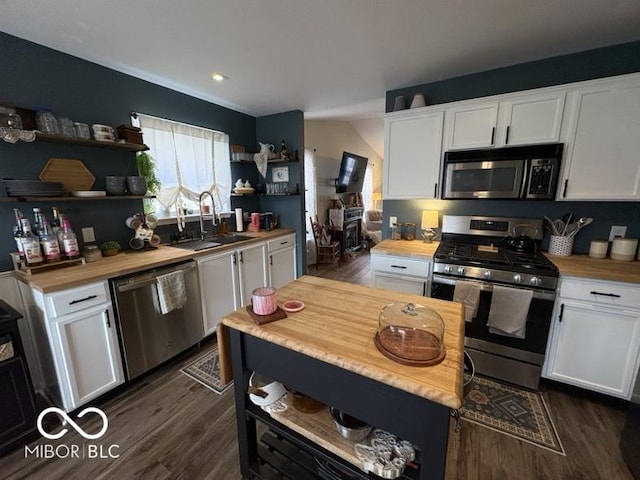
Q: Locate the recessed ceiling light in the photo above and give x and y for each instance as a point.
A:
(218, 77)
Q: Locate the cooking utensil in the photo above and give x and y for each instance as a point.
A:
(566, 224)
(349, 427)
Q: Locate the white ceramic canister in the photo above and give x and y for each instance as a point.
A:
(624, 249)
(598, 248)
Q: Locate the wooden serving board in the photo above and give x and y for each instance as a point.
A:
(73, 174)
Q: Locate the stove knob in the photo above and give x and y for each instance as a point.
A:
(535, 281)
(448, 269)
(517, 278)
(461, 270)
(488, 274)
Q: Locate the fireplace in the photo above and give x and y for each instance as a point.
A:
(350, 235)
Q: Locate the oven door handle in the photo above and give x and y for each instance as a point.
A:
(488, 287)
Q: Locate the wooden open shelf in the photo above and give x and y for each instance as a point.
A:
(131, 147)
(72, 199)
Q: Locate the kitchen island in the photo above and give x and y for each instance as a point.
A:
(327, 352)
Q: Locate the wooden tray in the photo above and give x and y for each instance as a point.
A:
(279, 314)
(73, 174)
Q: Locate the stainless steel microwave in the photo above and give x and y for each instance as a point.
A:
(524, 172)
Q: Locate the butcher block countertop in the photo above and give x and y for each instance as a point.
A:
(597, 268)
(338, 324)
(572, 266)
(129, 261)
(406, 248)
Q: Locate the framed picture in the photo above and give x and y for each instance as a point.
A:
(280, 174)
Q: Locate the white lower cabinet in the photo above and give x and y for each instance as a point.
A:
(595, 336)
(282, 260)
(89, 353)
(401, 274)
(77, 349)
(227, 280)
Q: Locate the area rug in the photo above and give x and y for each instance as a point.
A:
(519, 413)
(206, 370)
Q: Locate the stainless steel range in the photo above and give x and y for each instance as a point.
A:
(478, 254)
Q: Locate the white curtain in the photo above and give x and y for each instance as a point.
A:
(189, 160)
(367, 189)
(311, 201)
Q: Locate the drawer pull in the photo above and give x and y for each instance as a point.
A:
(614, 295)
(284, 243)
(90, 297)
(398, 266)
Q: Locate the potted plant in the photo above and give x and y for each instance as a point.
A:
(110, 248)
(147, 169)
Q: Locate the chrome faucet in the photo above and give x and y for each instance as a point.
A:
(203, 232)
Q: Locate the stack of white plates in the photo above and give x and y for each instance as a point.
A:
(103, 133)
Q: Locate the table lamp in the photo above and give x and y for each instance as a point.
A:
(429, 222)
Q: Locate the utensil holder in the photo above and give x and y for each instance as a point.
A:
(560, 246)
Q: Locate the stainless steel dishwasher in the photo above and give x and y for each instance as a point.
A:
(148, 337)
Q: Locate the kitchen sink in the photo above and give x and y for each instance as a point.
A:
(211, 242)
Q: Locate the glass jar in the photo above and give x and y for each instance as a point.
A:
(411, 334)
(46, 122)
(396, 231)
(66, 127)
(9, 118)
(410, 231)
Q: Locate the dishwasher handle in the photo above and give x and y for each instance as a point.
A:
(149, 278)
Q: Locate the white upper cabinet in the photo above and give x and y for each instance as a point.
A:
(531, 119)
(413, 149)
(602, 155)
(472, 126)
(512, 120)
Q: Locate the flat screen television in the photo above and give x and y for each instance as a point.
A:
(351, 176)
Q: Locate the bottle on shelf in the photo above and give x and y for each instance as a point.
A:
(17, 232)
(69, 241)
(37, 221)
(49, 243)
(56, 226)
(61, 218)
(30, 245)
(284, 152)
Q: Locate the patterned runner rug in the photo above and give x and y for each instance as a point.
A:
(206, 370)
(513, 411)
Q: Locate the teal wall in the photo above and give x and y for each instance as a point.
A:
(602, 62)
(33, 75)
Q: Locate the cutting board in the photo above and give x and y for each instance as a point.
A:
(73, 174)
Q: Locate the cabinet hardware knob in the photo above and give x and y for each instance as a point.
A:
(398, 266)
(108, 319)
(564, 190)
(561, 313)
(506, 137)
(493, 135)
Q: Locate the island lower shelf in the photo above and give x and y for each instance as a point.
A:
(318, 430)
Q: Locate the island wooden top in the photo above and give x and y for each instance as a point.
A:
(130, 261)
(406, 248)
(597, 268)
(338, 324)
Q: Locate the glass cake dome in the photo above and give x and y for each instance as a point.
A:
(410, 334)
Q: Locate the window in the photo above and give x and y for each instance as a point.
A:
(189, 160)
(367, 189)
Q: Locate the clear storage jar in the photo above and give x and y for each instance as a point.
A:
(46, 122)
(9, 118)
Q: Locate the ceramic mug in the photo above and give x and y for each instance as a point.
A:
(264, 300)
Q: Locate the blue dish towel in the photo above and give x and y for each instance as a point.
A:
(171, 291)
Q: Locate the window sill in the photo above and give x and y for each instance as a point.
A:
(172, 220)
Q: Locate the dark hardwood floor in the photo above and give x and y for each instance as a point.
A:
(168, 426)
